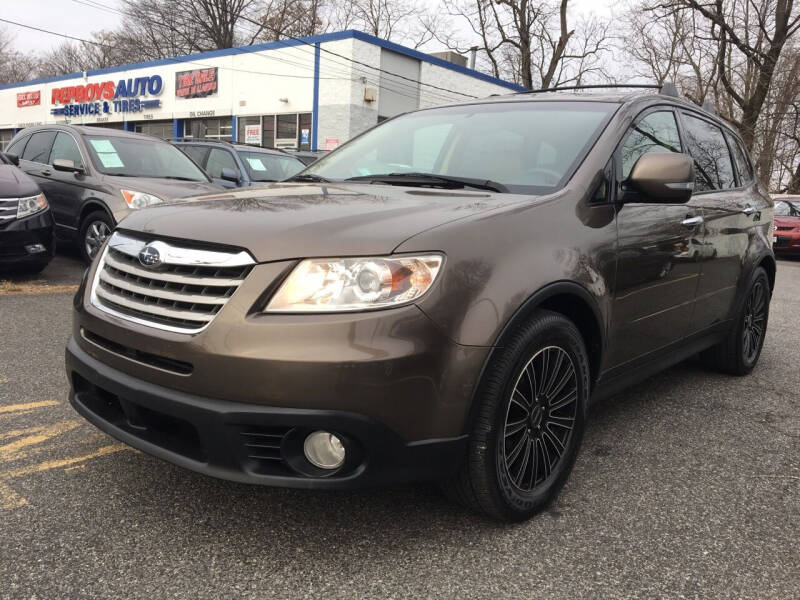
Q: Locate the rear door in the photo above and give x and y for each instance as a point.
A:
(656, 272)
(67, 189)
(721, 252)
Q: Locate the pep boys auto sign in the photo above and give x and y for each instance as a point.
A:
(126, 96)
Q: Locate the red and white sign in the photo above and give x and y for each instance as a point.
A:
(252, 134)
(331, 144)
(29, 99)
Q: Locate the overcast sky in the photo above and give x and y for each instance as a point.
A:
(74, 17)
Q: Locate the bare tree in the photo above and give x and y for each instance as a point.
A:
(532, 42)
(14, 66)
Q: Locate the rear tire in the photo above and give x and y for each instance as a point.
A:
(94, 230)
(738, 354)
(530, 422)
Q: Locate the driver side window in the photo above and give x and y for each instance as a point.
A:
(657, 132)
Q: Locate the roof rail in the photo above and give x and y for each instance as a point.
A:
(594, 87)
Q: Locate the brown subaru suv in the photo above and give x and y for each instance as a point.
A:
(441, 298)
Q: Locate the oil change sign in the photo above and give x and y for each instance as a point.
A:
(199, 83)
(124, 96)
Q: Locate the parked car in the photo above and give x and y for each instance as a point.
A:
(787, 225)
(237, 165)
(93, 177)
(440, 298)
(307, 156)
(26, 223)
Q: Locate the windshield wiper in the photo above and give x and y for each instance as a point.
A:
(432, 178)
(308, 177)
(178, 178)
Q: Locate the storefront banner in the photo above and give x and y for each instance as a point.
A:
(29, 99)
(199, 83)
(125, 96)
(331, 144)
(252, 134)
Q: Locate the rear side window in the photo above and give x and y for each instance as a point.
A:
(65, 148)
(712, 161)
(657, 132)
(218, 160)
(38, 148)
(17, 147)
(740, 158)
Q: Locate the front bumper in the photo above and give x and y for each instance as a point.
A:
(247, 442)
(787, 243)
(17, 234)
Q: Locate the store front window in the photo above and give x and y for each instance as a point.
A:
(159, 129)
(286, 131)
(209, 129)
(5, 138)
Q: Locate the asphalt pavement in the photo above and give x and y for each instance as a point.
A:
(688, 485)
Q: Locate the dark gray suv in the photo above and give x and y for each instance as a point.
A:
(440, 298)
(93, 177)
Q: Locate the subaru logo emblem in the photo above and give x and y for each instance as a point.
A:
(149, 256)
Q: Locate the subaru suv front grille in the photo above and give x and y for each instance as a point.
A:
(8, 209)
(155, 283)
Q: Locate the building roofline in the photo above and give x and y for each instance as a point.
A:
(310, 40)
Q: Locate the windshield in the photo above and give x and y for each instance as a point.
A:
(262, 166)
(787, 208)
(141, 157)
(529, 147)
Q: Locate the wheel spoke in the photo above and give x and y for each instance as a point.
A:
(557, 443)
(524, 405)
(521, 470)
(565, 401)
(552, 375)
(511, 458)
(512, 428)
(546, 459)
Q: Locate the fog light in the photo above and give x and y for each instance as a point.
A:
(35, 248)
(324, 450)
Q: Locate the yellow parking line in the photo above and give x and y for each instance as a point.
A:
(20, 407)
(9, 498)
(32, 437)
(64, 462)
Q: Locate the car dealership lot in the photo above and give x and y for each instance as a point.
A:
(687, 484)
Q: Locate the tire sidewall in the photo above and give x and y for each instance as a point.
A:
(93, 217)
(550, 330)
(759, 274)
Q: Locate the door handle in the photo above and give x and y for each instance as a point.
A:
(692, 221)
(47, 173)
(749, 210)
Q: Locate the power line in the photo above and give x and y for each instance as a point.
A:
(327, 51)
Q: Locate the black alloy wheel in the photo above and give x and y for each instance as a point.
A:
(540, 418)
(755, 322)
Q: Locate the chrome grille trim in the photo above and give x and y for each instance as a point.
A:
(182, 294)
(8, 209)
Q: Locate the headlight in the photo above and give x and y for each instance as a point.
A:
(347, 284)
(31, 205)
(139, 199)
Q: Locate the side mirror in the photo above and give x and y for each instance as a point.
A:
(231, 175)
(64, 164)
(12, 158)
(663, 177)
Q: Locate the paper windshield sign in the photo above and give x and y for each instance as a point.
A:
(102, 146)
(199, 83)
(256, 164)
(111, 160)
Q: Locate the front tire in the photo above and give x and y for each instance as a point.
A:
(738, 354)
(94, 230)
(530, 421)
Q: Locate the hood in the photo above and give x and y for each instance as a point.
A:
(166, 189)
(14, 183)
(286, 221)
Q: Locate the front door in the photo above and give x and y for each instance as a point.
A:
(66, 188)
(657, 273)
